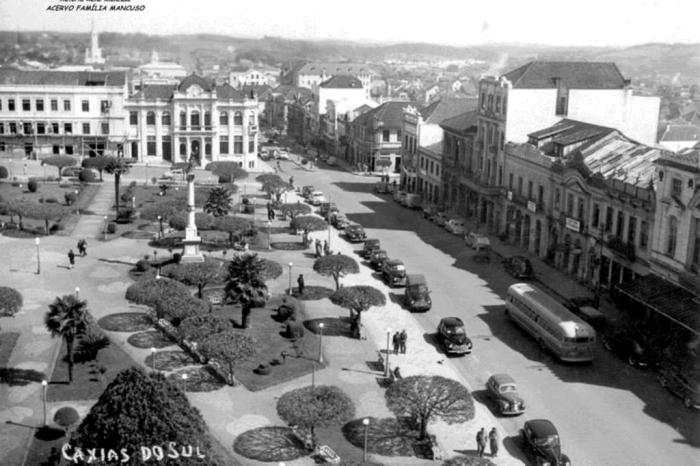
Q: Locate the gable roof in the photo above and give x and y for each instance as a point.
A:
(10, 76)
(155, 91)
(447, 107)
(334, 68)
(390, 114)
(573, 75)
(225, 91)
(681, 133)
(569, 131)
(192, 80)
(342, 81)
(462, 123)
(261, 91)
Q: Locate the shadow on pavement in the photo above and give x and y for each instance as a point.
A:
(17, 377)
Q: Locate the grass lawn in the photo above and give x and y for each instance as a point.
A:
(126, 322)
(7, 344)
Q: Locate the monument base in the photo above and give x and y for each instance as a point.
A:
(191, 251)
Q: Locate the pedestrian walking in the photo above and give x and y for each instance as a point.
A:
(300, 283)
(493, 442)
(82, 247)
(402, 341)
(326, 248)
(395, 342)
(317, 243)
(291, 181)
(71, 258)
(480, 442)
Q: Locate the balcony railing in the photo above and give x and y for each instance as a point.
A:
(622, 248)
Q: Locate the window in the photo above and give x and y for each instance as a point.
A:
(251, 146)
(151, 145)
(672, 236)
(223, 144)
(570, 205)
(11, 105)
(86, 128)
(608, 218)
(133, 118)
(26, 105)
(0, 104)
(385, 135)
(66, 105)
(490, 105)
(520, 185)
(510, 181)
(85, 105)
(696, 244)
(500, 175)
(503, 140)
(13, 127)
(632, 230)
(2, 146)
(207, 146)
(596, 215)
(55, 149)
(194, 120)
(39, 105)
(183, 119)
(105, 128)
(41, 128)
(238, 144)
(68, 128)
(54, 128)
(54, 105)
(676, 187)
(104, 106)
(238, 119)
(252, 120)
(580, 209)
(540, 194)
(620, 224)
(498, 103)
(69, 150)
(2, 127)
(165, 119)
(251, 164)
(167, 147)
(529, 190)
(183, 146)
(27, 128)
(207, 119)
(150, 118)
(223, 119)
(483, 100)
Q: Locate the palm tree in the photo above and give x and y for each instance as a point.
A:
(246, 284)
(117, 166)
(67, 318)
(219, 202)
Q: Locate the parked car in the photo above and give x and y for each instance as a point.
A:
(327, 208)
(453, 336)
(282, 154)
(394, 272)
(628, 346)
(455, 226)
(71, 171)
(377, 258)
(439, 218)
(264, 154)
(503, 390)
(307, 190)
(355, 233)
(172, 174)
(383, 188)
(412, 201)
(585, 308)
(541, 443)
(685, 387)
(417, 296)
(317, 198)
(477, 241)
(429, 210)
(519, 267)
(339, 221)
(399, 196)
(370, 245)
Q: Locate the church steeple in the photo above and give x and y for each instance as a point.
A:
(94, 55)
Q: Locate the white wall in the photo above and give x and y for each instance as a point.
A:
(529, 110)
(345, 99)
(676, 146)
(430, 134)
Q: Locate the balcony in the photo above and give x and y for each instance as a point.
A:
(621, 248)
(252, 129)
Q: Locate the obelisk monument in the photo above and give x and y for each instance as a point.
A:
(192, 240)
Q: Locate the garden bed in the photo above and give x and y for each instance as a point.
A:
(126, 322)
(199, 379)
(272, 443)
(169, 360)
(149, 339)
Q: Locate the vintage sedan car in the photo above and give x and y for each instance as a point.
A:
(455, 226)
(173, 174)
(394, 272)
(339, 221)
(383, 188)
(453, 336)
(282, 154)
(541, 443)
(355, 233)
(317, 198)
(504, 392)
(629, 347)
(585, 307)
(684, 386)
(307, 190)
(477, 241)
(377, 258)
(440, 218)
(370, 245)
(327, 208)
(519, 267)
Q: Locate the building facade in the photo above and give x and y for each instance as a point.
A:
(45, 113)
(196, 120)
(458, 163)
(311, 75)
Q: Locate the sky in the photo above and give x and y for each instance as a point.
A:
(455, 22)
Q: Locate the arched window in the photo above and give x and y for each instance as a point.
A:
(194, 119)
(672, 236)
(223, 119)
(252, 120)
(238, 119)
(165, 119)
(207, 119)
(183, 119)
(150, 118)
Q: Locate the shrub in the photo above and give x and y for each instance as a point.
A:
(10, 301)
(201, 326)
(154, 180)
(56, 227)
(70, 198)
(177, 257)
(143, 265)
(178, 307)
(87, 176)
(125, 215)
(111, 228)
(66, 417)
(150, 292)
(295, 330)
(3, 173)
(132, 184)
(51, 200)
(33, 185)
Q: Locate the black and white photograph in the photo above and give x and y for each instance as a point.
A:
(361, 233)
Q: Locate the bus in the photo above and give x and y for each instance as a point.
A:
(550, 323)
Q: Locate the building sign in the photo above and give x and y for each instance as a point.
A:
(531, 206)
(572, 224)
(510, 195)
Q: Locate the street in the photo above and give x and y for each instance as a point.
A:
(607, 413)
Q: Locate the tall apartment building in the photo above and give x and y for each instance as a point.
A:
(46, 113)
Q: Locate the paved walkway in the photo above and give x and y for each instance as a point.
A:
(92, 223)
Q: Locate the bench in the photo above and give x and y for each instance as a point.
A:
(327, 454)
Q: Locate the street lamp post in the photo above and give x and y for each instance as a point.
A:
(153, 359)
(37, 241)
(313, 374)
(290, 278)
(160, 222)
(320, 344)
(328, 218)
(44, 384)
(386, 363)
(184, 381)
(77, 204)
(269, 237)
(365, 422)
(77, 292)
(133, 202)
(104, 227)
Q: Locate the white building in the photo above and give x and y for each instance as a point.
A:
(344, 91)
(57, 112)
(678, 137)
(160, 72)
(256, 76)
(194, 120)
(311, 75)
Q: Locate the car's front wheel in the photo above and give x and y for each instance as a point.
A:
(687, 402)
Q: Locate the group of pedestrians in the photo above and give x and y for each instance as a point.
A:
(270, 211)
(82, 250)
(399, 342)
(492, 438)
(322, 249)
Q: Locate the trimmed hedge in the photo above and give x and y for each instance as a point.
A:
(175, 308)
(151, 292)
(199, 327)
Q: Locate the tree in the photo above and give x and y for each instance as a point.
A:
(228, 172)
(229, 349)
(311, 407)
(219, 202)
(11, 301)
(98, 163)
(293, 209)
(196, 328)
(67, 318)
(234, 226)
(203, 221)
(45, 212)
(60, 162)
(138, 410)
(336, 266)
(276, 187)
(427, 398)
(150, 292)
(66, 417)
(117, 166)
(246, 284)
(91, 343)
(264, 177)
(19, 207)
(358, 298)
(177, 308)
(198, 274)
(307, 224)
